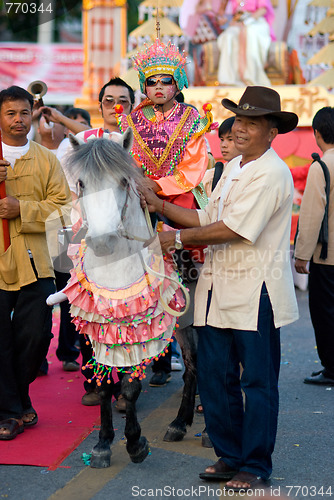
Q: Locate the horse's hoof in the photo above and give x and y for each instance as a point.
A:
(174, 434)
(139, 452)
(206, 441)
(100, 459)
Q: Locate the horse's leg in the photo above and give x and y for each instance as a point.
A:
(101, 452)
(187, 339)
(137, 445)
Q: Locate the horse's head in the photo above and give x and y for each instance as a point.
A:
(107, 179)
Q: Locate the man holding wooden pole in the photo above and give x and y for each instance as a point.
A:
(35, 188)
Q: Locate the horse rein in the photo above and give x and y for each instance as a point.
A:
(125, 234)
(121, 231)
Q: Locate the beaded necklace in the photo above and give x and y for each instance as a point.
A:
(160, 145)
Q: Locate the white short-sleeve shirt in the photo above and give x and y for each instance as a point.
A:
(257, 206)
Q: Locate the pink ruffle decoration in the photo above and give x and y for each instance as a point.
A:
(134, 320)
(123, 333)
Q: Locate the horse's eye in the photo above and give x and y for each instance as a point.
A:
(81, 184)
(124, 183)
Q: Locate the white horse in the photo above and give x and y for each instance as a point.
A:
(123, 296)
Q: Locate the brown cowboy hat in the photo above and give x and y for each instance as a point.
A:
(263, 101)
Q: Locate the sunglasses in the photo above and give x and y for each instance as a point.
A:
(109, 102)
(164, 80)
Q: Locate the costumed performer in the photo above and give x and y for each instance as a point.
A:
(169, 142)
(201, 21)
(244, 45)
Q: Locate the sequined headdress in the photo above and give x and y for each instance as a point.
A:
(161, 59)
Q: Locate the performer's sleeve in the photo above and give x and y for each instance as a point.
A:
(189, 172)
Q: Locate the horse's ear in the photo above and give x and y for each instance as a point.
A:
(128, 139)
(76, 142)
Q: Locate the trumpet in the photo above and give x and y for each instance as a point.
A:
(38, 89)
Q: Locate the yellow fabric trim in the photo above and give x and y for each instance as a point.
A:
(206, 123)
(122, 293)
(91, 4)
(181, 180)
(159, 69)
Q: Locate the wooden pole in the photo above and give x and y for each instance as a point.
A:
(5, 226)
(157, 22)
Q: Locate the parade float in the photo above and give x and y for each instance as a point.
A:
(299, 62)
(299, 66)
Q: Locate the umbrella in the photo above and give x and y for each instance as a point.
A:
(326, 79)
(320, 3)
(167, 27)
(131, 78)
(326, 25)
(324, 56)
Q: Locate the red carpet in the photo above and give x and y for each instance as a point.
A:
(63, 421)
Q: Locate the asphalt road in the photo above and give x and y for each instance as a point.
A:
(303, 458)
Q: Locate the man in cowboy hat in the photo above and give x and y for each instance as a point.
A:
(245, 292)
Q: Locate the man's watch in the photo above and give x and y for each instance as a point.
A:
(178, 242)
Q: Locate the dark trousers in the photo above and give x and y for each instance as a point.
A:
(164, 363)
(243, 435)
(68, 336)
(87, 354)
(25, 335)
(321, 303)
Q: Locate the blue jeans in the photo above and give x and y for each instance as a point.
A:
(243, 435)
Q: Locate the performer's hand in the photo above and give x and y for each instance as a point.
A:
(9, 208)
(149, 199)
(236, 19)
(150, 183)
(301, 266)
(3, 169)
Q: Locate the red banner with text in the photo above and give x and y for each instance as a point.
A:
(60, 66)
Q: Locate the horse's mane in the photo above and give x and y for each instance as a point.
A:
(100, 157)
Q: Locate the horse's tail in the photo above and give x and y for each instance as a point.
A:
(56, 298)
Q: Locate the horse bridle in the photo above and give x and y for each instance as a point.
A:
(123, 233)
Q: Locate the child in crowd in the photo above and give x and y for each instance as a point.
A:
(228, 152)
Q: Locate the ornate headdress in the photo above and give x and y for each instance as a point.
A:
(161, 59)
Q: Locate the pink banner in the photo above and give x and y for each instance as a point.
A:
(60, 66)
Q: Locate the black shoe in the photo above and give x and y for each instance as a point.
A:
(318, 378)
(71, 366)
(91, 398)
(160, 379)
(43, 369)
